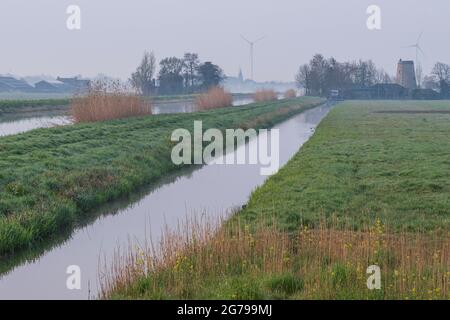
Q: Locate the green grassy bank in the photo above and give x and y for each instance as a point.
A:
(366, 161)
(49, 178)
(14, 106)
(371, 187)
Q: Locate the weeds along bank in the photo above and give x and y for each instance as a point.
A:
(262, 261)
(369, 188)
(51, 177)
(17, 106)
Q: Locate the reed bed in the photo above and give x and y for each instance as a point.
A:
(290, 94)
(107, 101)
(236, 261)
(216, 97)
(265, 95)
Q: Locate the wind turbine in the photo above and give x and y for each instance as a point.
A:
(252, 44)
(418, 50)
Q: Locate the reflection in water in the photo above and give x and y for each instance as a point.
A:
(23, 125)
(212, 189)
(10, 126)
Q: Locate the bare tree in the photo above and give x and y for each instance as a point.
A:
(303, 78)
(143, 78)
(382, 76)
(191, 63)
(441, 71)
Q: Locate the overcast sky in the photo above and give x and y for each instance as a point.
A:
(114, 34)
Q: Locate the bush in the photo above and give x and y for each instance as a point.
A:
(107, 101)
(290, 94)
(215, 98)
(265, 95)
(287, 284)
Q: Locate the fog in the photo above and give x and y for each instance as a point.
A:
(35, 40)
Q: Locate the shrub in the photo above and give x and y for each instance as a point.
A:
(287, 284)
(265, 95)
(107, 101)
(215, 98)
(290, 94)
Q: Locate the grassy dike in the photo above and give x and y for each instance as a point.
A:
(371, 187)
(50, 178)
(15, 106)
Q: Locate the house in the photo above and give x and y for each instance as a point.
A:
(390, 91)
(379, 91)
(10, 84)
(75, 84)
(52, 87)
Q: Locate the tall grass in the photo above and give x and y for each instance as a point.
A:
(265, 95)
(215, 98)
(107, 101)
(203, 260)
(290, 94)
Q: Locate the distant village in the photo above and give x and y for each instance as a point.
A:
(60, 85)
(77, 85)
(404, 87)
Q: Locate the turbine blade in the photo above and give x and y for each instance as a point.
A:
(259, 39)
(421, 51)
(246, 39)
(420, 37)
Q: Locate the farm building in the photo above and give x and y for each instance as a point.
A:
(75, 84)
(10, 84)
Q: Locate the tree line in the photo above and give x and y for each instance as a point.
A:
(184, 75)
(321, 75)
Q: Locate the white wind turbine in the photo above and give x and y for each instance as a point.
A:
(417, 62)
(252, 44)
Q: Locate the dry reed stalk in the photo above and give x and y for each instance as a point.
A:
(290, 94)
(107, 101)
(414, 265)
(215, 98)
(265, 95)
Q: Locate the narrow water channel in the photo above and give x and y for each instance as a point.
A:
(212, 189)
(10, 125)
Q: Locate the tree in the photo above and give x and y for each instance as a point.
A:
(319, 67)
(382, 76)
(366, 72)
(441, 74)
(191, 63)
(441, 71)
(142, 79)
(211, 75)
(170, 78)
(303, 78)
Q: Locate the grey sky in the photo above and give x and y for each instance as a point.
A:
(114, 34)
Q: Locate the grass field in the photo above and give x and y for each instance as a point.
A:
(49, 178)
(13, 106)
(371, 187)
(365, 162)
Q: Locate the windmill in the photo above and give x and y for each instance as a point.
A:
(252, 44)
(417, 62)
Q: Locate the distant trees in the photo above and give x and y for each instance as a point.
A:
(176, 75)
(142, 79)
(439, 79)
(441, 72)
(170, 77)
(321, 75)
(210, 75)
(191, 63)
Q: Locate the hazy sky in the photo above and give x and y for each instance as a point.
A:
(114, 33)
